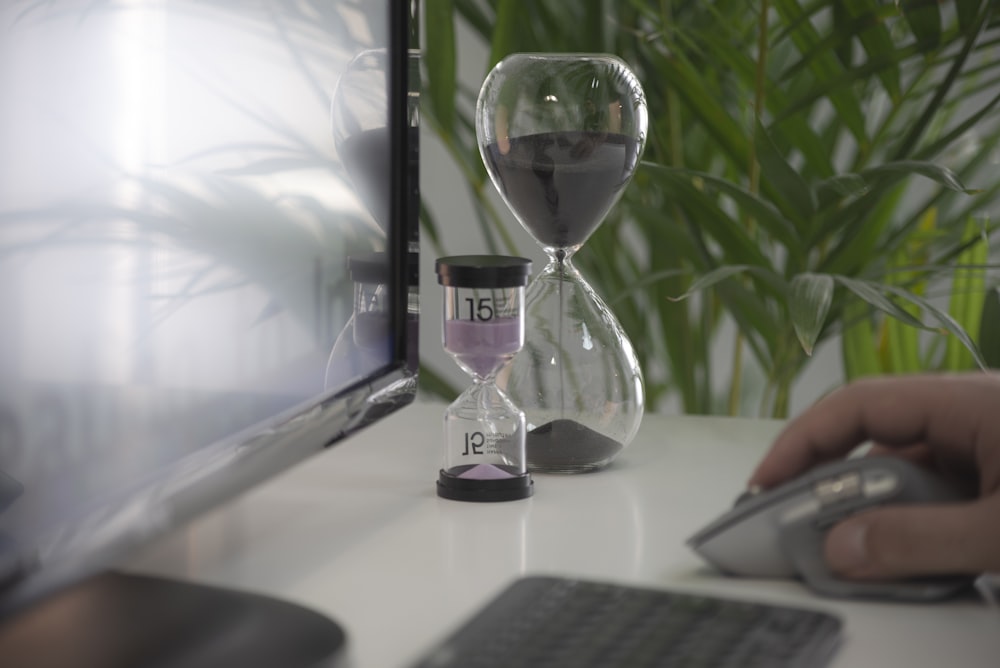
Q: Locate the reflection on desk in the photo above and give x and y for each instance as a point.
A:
(359, 534)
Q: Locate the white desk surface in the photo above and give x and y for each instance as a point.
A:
(359, 533)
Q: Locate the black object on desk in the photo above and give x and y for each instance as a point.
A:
(552, 621)
(118, 620)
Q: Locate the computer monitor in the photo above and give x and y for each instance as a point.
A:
(208, 215)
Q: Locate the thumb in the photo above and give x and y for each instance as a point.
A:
(902, 541)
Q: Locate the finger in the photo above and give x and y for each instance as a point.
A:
(960, 471)
(905, 541)
(951, 412)
(918, 454)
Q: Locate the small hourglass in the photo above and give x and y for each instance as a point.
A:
(483, 329)
(561, 136)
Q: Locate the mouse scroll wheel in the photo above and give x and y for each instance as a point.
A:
(839, 488)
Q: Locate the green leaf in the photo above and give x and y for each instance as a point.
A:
(824, 66)
(844, 84)
(989, 329)
(902, 343)
(967, 11)
(960, 130)
(689, 84)
(872, 293)
(594, 24)
(711, 278)
(946, 321)
(505, 30)
(918, 127)
(473, 14)
(966, 299)
(844, 185)
(757, 324)
(873, 186)
(903, 168)
(706, 217)
(861, 228)
(439, 55)
(858, 342)
(924, 19)
(769, 218)
(875, 39)
(809, 304)
(795, 197)
(842, 25)
(800, 136)
(644, 282)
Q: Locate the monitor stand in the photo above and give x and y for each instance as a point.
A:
(118, 620)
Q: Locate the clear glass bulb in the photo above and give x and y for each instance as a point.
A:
(561, 136)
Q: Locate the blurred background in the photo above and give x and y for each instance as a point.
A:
(819, 188)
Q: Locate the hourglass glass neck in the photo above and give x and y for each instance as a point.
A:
(560, 260)
(561, 254)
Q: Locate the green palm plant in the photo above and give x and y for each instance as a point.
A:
(816, 170)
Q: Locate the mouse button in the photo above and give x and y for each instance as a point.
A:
(802, 509)
(755, 499)
(748, 547)
(880, 483)
(747, 554)
(854, 492)
(764, 508)
(838, 488)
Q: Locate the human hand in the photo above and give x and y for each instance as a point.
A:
(950, 423)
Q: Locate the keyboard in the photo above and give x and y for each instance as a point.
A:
(556, 622)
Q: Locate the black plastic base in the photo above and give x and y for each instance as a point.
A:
(452, 487)
(124, 621)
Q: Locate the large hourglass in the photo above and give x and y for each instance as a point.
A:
(561, 136)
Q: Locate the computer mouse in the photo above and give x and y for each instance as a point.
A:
(779, 533)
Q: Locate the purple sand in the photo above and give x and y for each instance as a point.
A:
(561, 185)
(483, 345)
(563, 444)
(485, 472)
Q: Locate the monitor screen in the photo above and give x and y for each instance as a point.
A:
(207, 258)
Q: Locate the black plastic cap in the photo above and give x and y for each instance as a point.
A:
(471, 489)
(483, 271)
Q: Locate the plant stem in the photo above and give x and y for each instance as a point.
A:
(786, 365)
(753, 169)
(685, 376)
